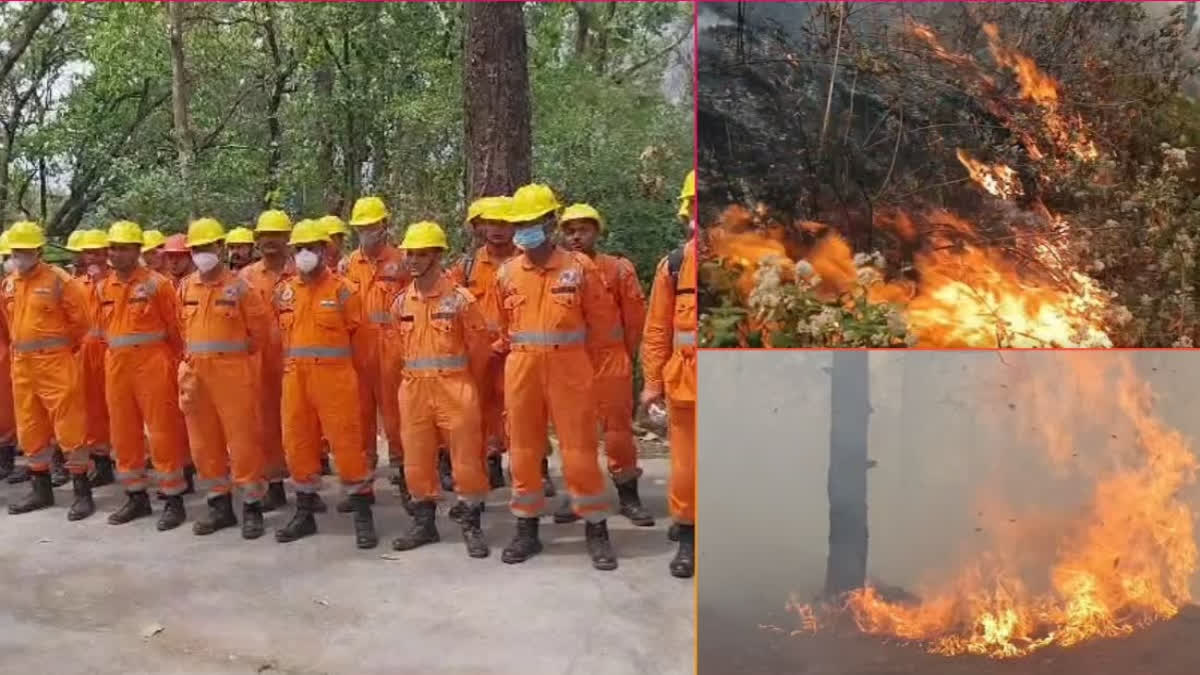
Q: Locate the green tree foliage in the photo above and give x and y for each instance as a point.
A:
(365, 98)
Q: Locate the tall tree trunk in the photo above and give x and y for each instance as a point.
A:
(280, 74)
(180, 96)
(330, 195)
(850, 404)
(583, 24)
(499, 145)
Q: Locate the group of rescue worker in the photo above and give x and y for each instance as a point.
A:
(158, 360)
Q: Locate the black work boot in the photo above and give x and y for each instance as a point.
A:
(40, 497)
(252, 520)
(423, 530)
(347, 504)
(445, 471)
(495, 471)
(302, 523)
(673, 532)
(219, 516)
(599, 547)
(83, 506)
(19, 474)
(276, 497)
(564, 514)
(364, 521)
(137, 505)
(547, 484)
(173, 514)
(102, 471)
(189, 475)
(318, 504)
(59, 475)
(631, 504)
(525, 544)
(458, 511)
(683, 565)
(406, 499)
(472, 532)
(8, 460)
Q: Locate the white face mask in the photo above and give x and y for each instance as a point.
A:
(10, 266)
(307, 261)
(205, 262)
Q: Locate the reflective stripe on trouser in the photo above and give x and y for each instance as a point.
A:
(614, 393)
(681, 487)
(556, 386)
(321, 400)
(91, 374)
(8, 413)
(270, 397)
(142, 390)
(435, 408)
(379, 386)
(685, 338)
(223, 424)
(49, 405)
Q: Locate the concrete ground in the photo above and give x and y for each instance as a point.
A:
(89, 597)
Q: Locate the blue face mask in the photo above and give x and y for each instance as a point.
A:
(529, 237)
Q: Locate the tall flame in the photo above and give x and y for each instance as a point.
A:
(1123, 563)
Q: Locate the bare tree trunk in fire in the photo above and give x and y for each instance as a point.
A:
(850, 406)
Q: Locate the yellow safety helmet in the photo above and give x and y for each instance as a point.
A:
(582, 212)
(73, 240)
(93, 240)
(204, 231)
(368, 211)
(334, 225)
(4, 249)
(273, 221)
(488, 208)
(126, 232)
(152, 239)
(26, 235)
(240, 235)
(687, 193)
(307, 232)
(425, 234)
(531, 202)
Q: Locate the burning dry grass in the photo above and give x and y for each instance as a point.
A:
(1119, 563)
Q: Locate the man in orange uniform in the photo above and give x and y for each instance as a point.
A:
(224, 321)
(337, 241)
(477, 272)
(275, 266)
(152, 250)
(46, 311)
(239, 243)
(669, 369)
(93, 270)
(376, 270)
(581, 225)
(319, 313)
(139, 316)
(177, 259)
(555, 310)
(444, 346)
(8, 413)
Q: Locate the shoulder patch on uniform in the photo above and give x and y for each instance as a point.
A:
(570, 277)
(285, 293)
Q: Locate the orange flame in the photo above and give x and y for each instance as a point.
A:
(1122, 564)
(999, 180)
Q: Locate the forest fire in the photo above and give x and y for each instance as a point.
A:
(1119, 563)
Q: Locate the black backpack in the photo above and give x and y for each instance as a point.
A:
(674, 264)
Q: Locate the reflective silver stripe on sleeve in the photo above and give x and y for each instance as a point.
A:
(133, 339)
(323, 352)
(685, 338)
(552, 338)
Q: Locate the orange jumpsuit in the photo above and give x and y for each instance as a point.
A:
(139, 318)
(91, 372)
(318, 320)
(270, 357)
(482, 285)
(669, 366)
(8, 414)
(378, 282)
(552, 321)
(614, 365)
(46, 312)
(224, 321)
(445, 347)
